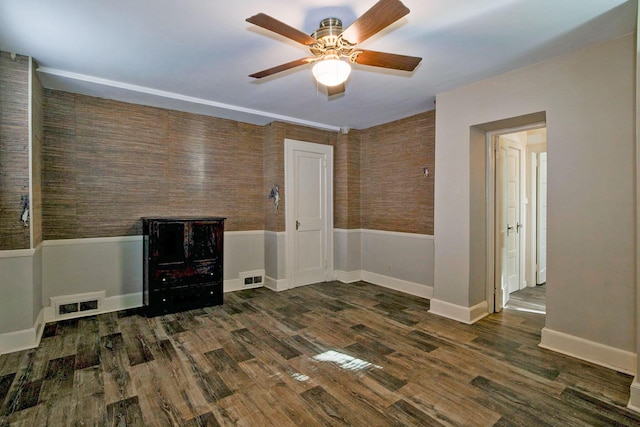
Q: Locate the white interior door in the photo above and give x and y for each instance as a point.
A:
(541, 232)
(309, 212)
(508, 221)
(514, 223)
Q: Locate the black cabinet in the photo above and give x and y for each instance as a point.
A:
(182, 263)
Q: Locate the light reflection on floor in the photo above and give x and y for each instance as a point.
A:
(344, 361)
(299, 377)
(529, 310)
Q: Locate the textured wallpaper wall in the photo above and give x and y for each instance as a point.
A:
(108, 163)
(395, 195)
(14, 150)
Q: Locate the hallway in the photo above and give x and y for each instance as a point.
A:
(530, 299)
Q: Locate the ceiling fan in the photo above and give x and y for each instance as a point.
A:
(331, 42)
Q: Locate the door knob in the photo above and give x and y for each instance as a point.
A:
(297, 224)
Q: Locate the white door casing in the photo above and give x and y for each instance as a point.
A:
(309, 212)
(501, 284)
(497, 289)
(541, 232)
(532, 217)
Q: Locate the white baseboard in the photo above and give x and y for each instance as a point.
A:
(122, 302)
(18, 340)
(580, 348)
(348, 276)
(634, 396)
(25, 339)
(468, 315)
(411, 288)
(275, 284)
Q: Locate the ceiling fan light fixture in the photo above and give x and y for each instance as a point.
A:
(331, 71)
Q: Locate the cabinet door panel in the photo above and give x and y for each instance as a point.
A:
(169, 242)
(204, 240)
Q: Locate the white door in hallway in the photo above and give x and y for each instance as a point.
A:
(514, 222)
(541, 232)
(309, 211)
(508, 221)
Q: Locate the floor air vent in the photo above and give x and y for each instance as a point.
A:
(78, 305)
(74, 307)
(252, 278)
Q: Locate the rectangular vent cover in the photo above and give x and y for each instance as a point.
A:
(69, 306)
(252, 278)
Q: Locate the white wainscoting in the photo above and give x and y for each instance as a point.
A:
(21, 320)
(274, 260)
(17, 287)
(399, 261)
(76, 266)
(347, 252)
(23, 339)
(243, 251)
(112, 265)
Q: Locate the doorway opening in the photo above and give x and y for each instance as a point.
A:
(516, 217)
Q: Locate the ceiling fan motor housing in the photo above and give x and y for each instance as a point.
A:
(328, 27)
(329, 40)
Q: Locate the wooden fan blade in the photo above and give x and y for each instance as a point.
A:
(388, 60)
(279, 68)
(380, 16)
(272, 24)
(335, 90)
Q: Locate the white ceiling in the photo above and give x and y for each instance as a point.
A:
(196, 55)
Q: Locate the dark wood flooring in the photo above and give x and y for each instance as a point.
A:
(325, 354)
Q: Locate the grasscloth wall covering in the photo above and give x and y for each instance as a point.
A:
(274, 174)
(395, 195)
(108, 163)
(347, 181)
(14, 150)
(36, 157)
(274, 137)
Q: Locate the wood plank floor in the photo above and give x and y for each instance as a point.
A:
(530, 299)
(325, 354)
